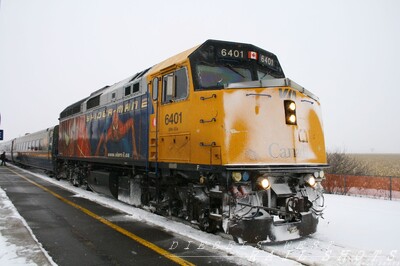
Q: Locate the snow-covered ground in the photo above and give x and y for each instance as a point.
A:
(18, 245)
(355, 231)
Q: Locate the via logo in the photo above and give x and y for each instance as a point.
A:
(287, 93)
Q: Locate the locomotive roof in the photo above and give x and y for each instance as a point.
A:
(200, 51)
(196, 53)
(176, 59)
(77, 107)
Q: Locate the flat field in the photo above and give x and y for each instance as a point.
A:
(380, 164)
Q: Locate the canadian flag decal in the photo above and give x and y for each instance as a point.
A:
(252, 55)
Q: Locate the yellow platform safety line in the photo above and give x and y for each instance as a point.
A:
(117, 228)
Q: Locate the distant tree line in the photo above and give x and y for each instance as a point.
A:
(344, 164)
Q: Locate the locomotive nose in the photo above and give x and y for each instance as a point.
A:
(272, 125)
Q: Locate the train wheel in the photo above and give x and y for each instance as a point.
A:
(75, 180)
(206, 224)
(238, 240)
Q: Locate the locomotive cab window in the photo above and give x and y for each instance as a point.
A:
(216, 76)
(175, 86)
(155, 89)
(264, 75)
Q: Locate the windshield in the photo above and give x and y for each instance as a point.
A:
(216, 64)
(264, 75)
(218, 76)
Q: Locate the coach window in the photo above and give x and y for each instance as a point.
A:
(175, 86)
(41, 144)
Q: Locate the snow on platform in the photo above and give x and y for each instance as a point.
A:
(18, 245)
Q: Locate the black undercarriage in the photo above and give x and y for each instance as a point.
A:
(209, 197)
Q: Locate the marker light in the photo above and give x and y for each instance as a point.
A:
(236, 176)
(246, 176)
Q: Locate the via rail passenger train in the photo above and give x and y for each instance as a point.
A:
(216, 135)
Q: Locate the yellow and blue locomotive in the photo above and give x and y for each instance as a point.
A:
(215, 135)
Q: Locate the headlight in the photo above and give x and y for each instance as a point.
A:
(292, 119)
(292, 106)
(290, 112)
(321, 174)
(236, 176)
(310, 180)
(264, 183)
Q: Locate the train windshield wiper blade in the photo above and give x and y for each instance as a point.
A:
(234, 70)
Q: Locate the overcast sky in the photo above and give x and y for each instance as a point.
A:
(54, 53)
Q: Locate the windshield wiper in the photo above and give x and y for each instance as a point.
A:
(234, 70)
(264, 75)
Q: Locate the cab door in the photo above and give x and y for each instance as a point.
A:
(154, 119)
(173, 116)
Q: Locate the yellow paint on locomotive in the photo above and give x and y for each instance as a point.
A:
(256, 131)
(249, 128)
(244, 126)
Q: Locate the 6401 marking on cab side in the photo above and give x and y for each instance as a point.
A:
(173, 118)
